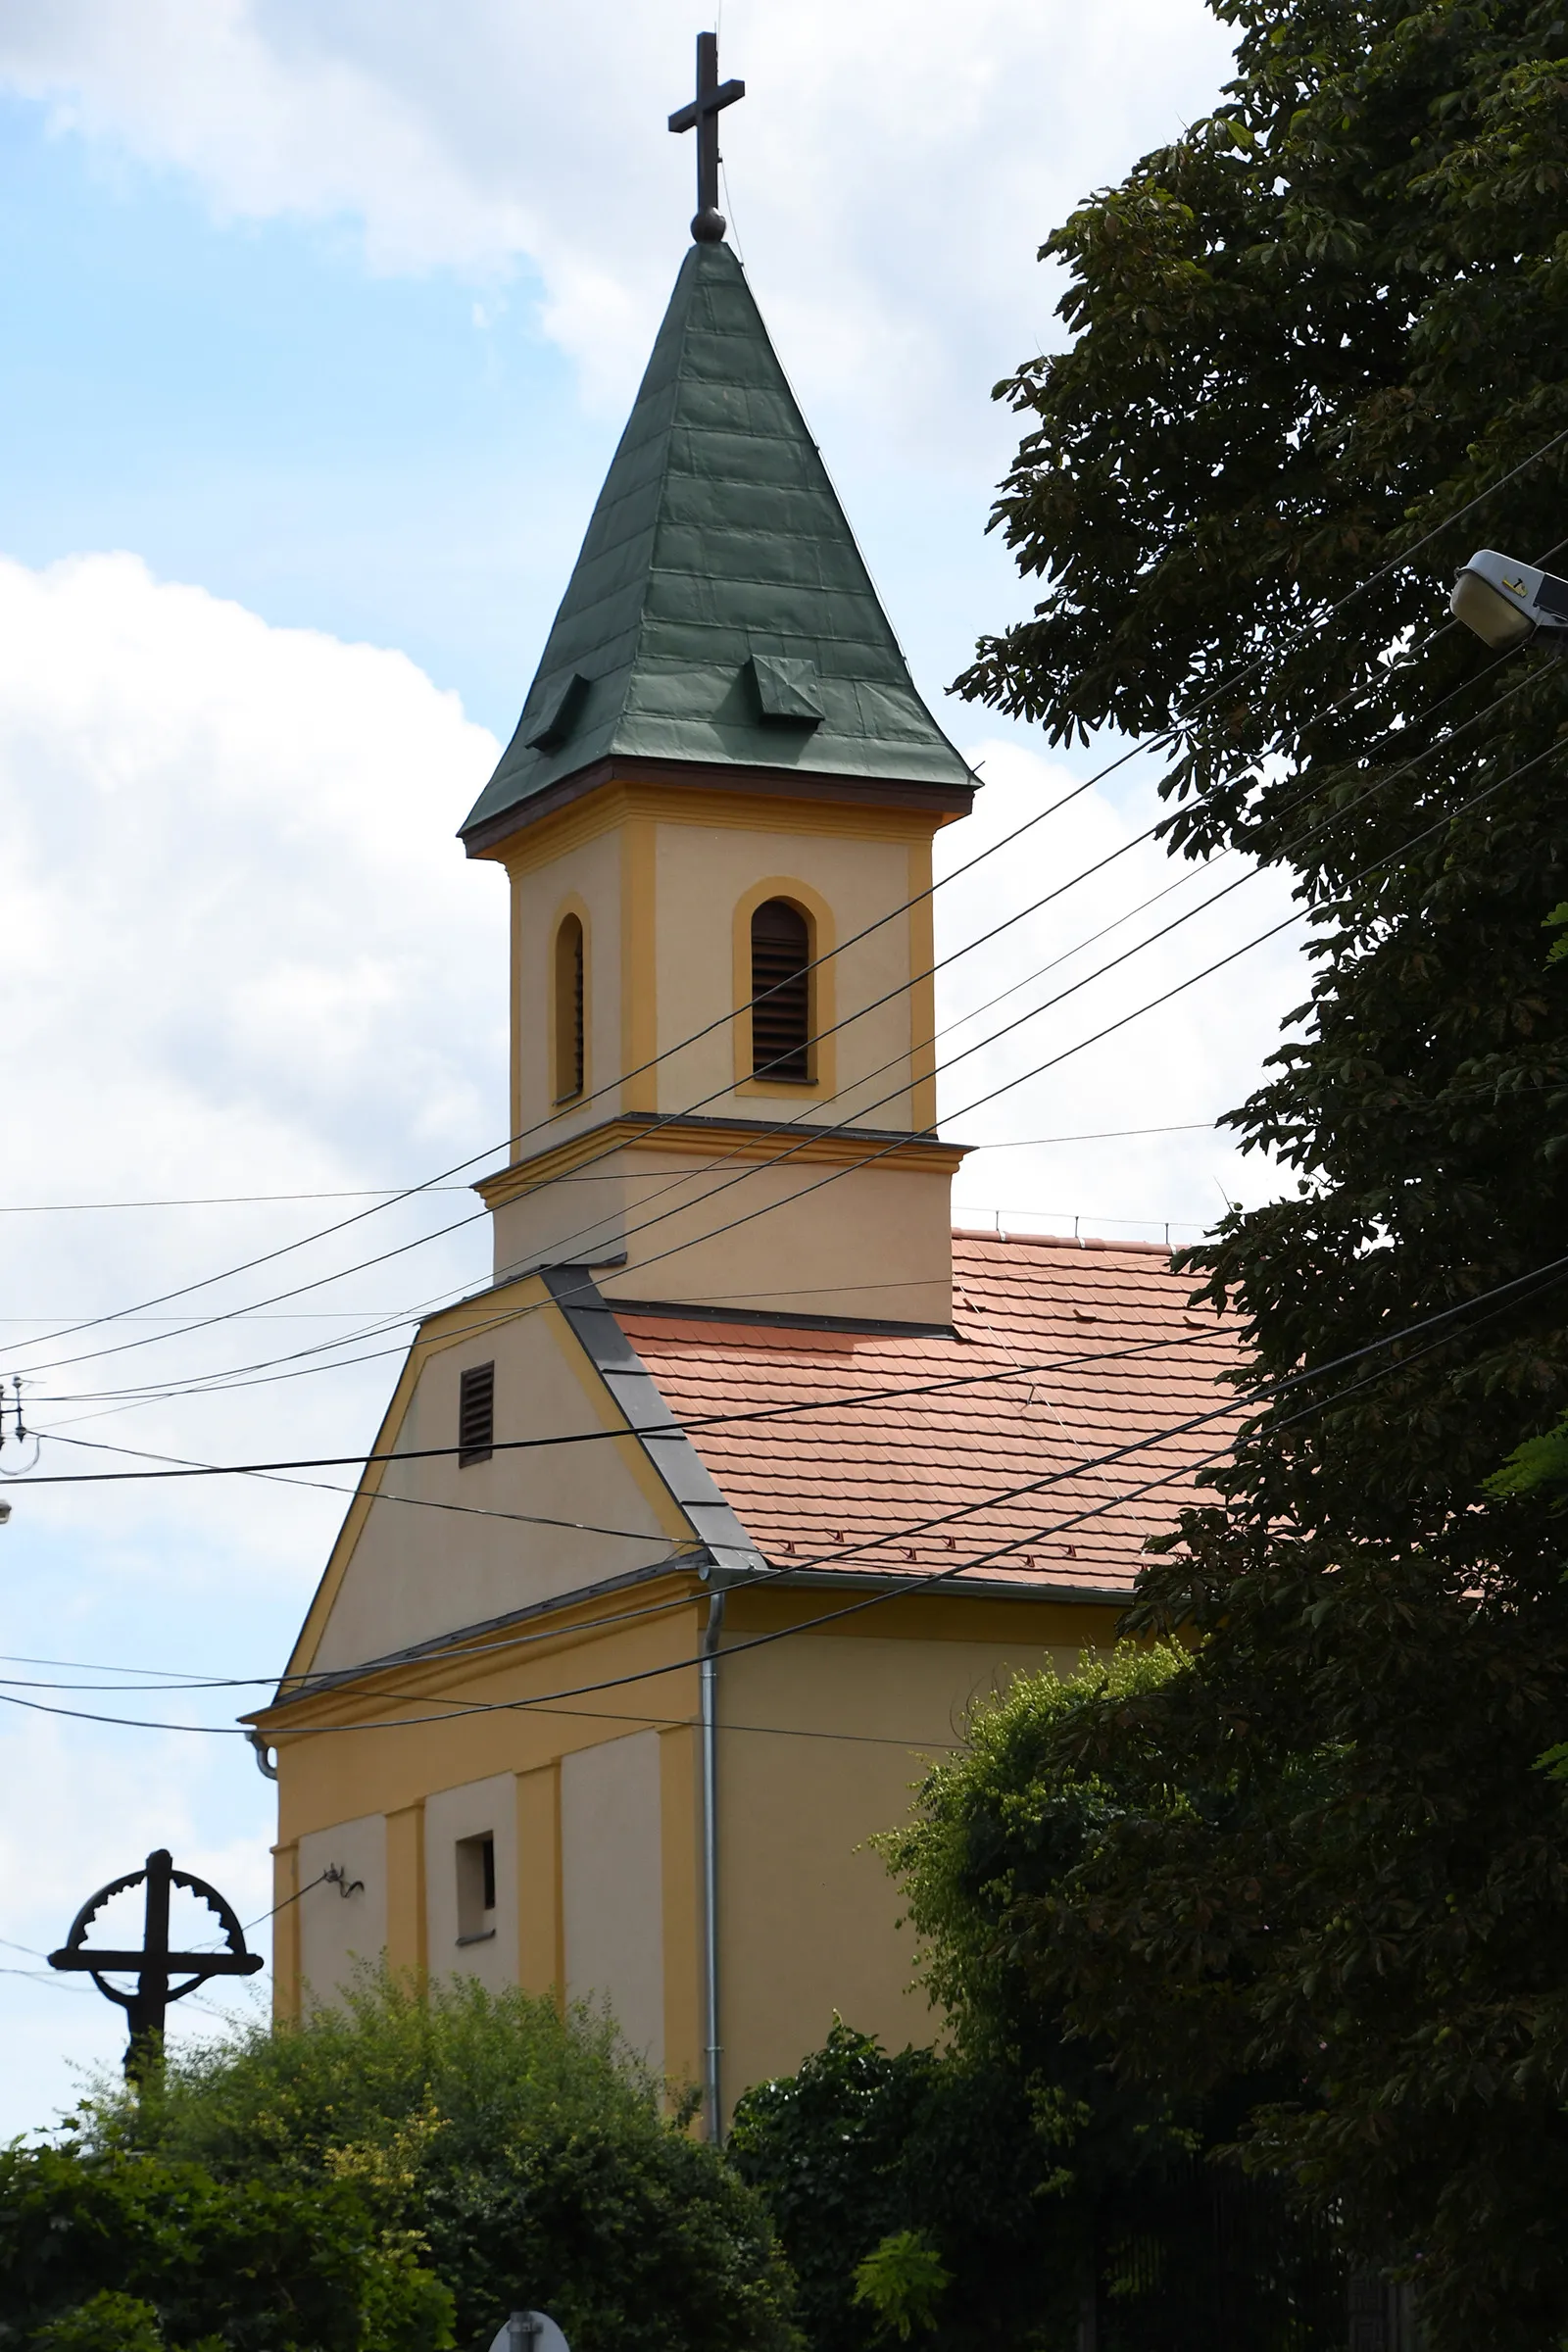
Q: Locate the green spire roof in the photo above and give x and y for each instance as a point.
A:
(719, 611)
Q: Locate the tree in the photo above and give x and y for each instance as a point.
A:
(120, 2252)
(865, 2156)
(989, 2187)
(1319, 354)
(522, 2154)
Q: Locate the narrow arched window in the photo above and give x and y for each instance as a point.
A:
(781, 993)
(569, 1008)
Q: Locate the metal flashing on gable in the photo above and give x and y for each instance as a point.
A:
(772, 1318)
(681, 1470)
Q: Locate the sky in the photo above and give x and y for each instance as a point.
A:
(318, 321)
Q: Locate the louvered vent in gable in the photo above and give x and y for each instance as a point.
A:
(477, 1414)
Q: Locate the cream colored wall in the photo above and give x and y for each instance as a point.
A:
(337, 1930)
(773, 1221)
(703, 872)
(415, 1573)
(611, 1844)
(808, 1914)
(450, 1814)
(797, 1235)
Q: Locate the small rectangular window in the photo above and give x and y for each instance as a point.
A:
(477, 1414)
(476, 1888)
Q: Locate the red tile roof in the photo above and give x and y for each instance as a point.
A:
(1063, 1354)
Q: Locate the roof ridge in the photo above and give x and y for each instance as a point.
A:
(1056, 1240)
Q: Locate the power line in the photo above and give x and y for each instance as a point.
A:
(1168, 735)
(1301, 913)
(224, 1383)
(218, 1382)
(595, 1437)
(808, 1131)
(901, 1587)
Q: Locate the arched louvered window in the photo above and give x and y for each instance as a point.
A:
(569, 1074)
(781, 993)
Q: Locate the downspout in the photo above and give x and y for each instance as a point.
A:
(712, 2107)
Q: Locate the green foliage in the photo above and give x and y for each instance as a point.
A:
(1007, 1819)
(858, 2148)
(902, 2282)
(1306, 335)
(120, 2249)
(523, 2155)
(106, 2323)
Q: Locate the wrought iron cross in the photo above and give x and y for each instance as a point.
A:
(155, 1963)
(701, 116)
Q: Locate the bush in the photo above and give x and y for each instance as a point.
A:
(864, 2157)
(125, 2252)
(524, 2155)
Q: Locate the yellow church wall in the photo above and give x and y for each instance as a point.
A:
(823, 1736)
(406, 1910)
(382, 1591)
(540, 1955)
(922, 998)
(353, 1770)
(834, 1236)
(665, 880)
(658, 876)
(594, 1798)
(738, 1214)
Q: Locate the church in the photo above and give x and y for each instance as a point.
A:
(687, 1544)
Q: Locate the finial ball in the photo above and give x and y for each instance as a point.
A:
(708, 228)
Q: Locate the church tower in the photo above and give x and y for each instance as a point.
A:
(716, 816)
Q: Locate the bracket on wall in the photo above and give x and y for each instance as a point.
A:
(335, 1875)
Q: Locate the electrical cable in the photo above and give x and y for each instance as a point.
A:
(1168, 735)
(596, 1436)
(811, 1130)
(902, 1587)
(1449, 818)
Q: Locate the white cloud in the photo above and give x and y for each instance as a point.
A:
(893, 170)
(240, 953)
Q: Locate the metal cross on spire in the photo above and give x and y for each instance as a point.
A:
(701, 116)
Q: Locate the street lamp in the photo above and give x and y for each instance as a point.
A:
(1506, 602)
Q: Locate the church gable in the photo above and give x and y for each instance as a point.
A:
(478, 1515)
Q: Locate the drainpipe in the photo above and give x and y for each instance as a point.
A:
(713, 2108)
